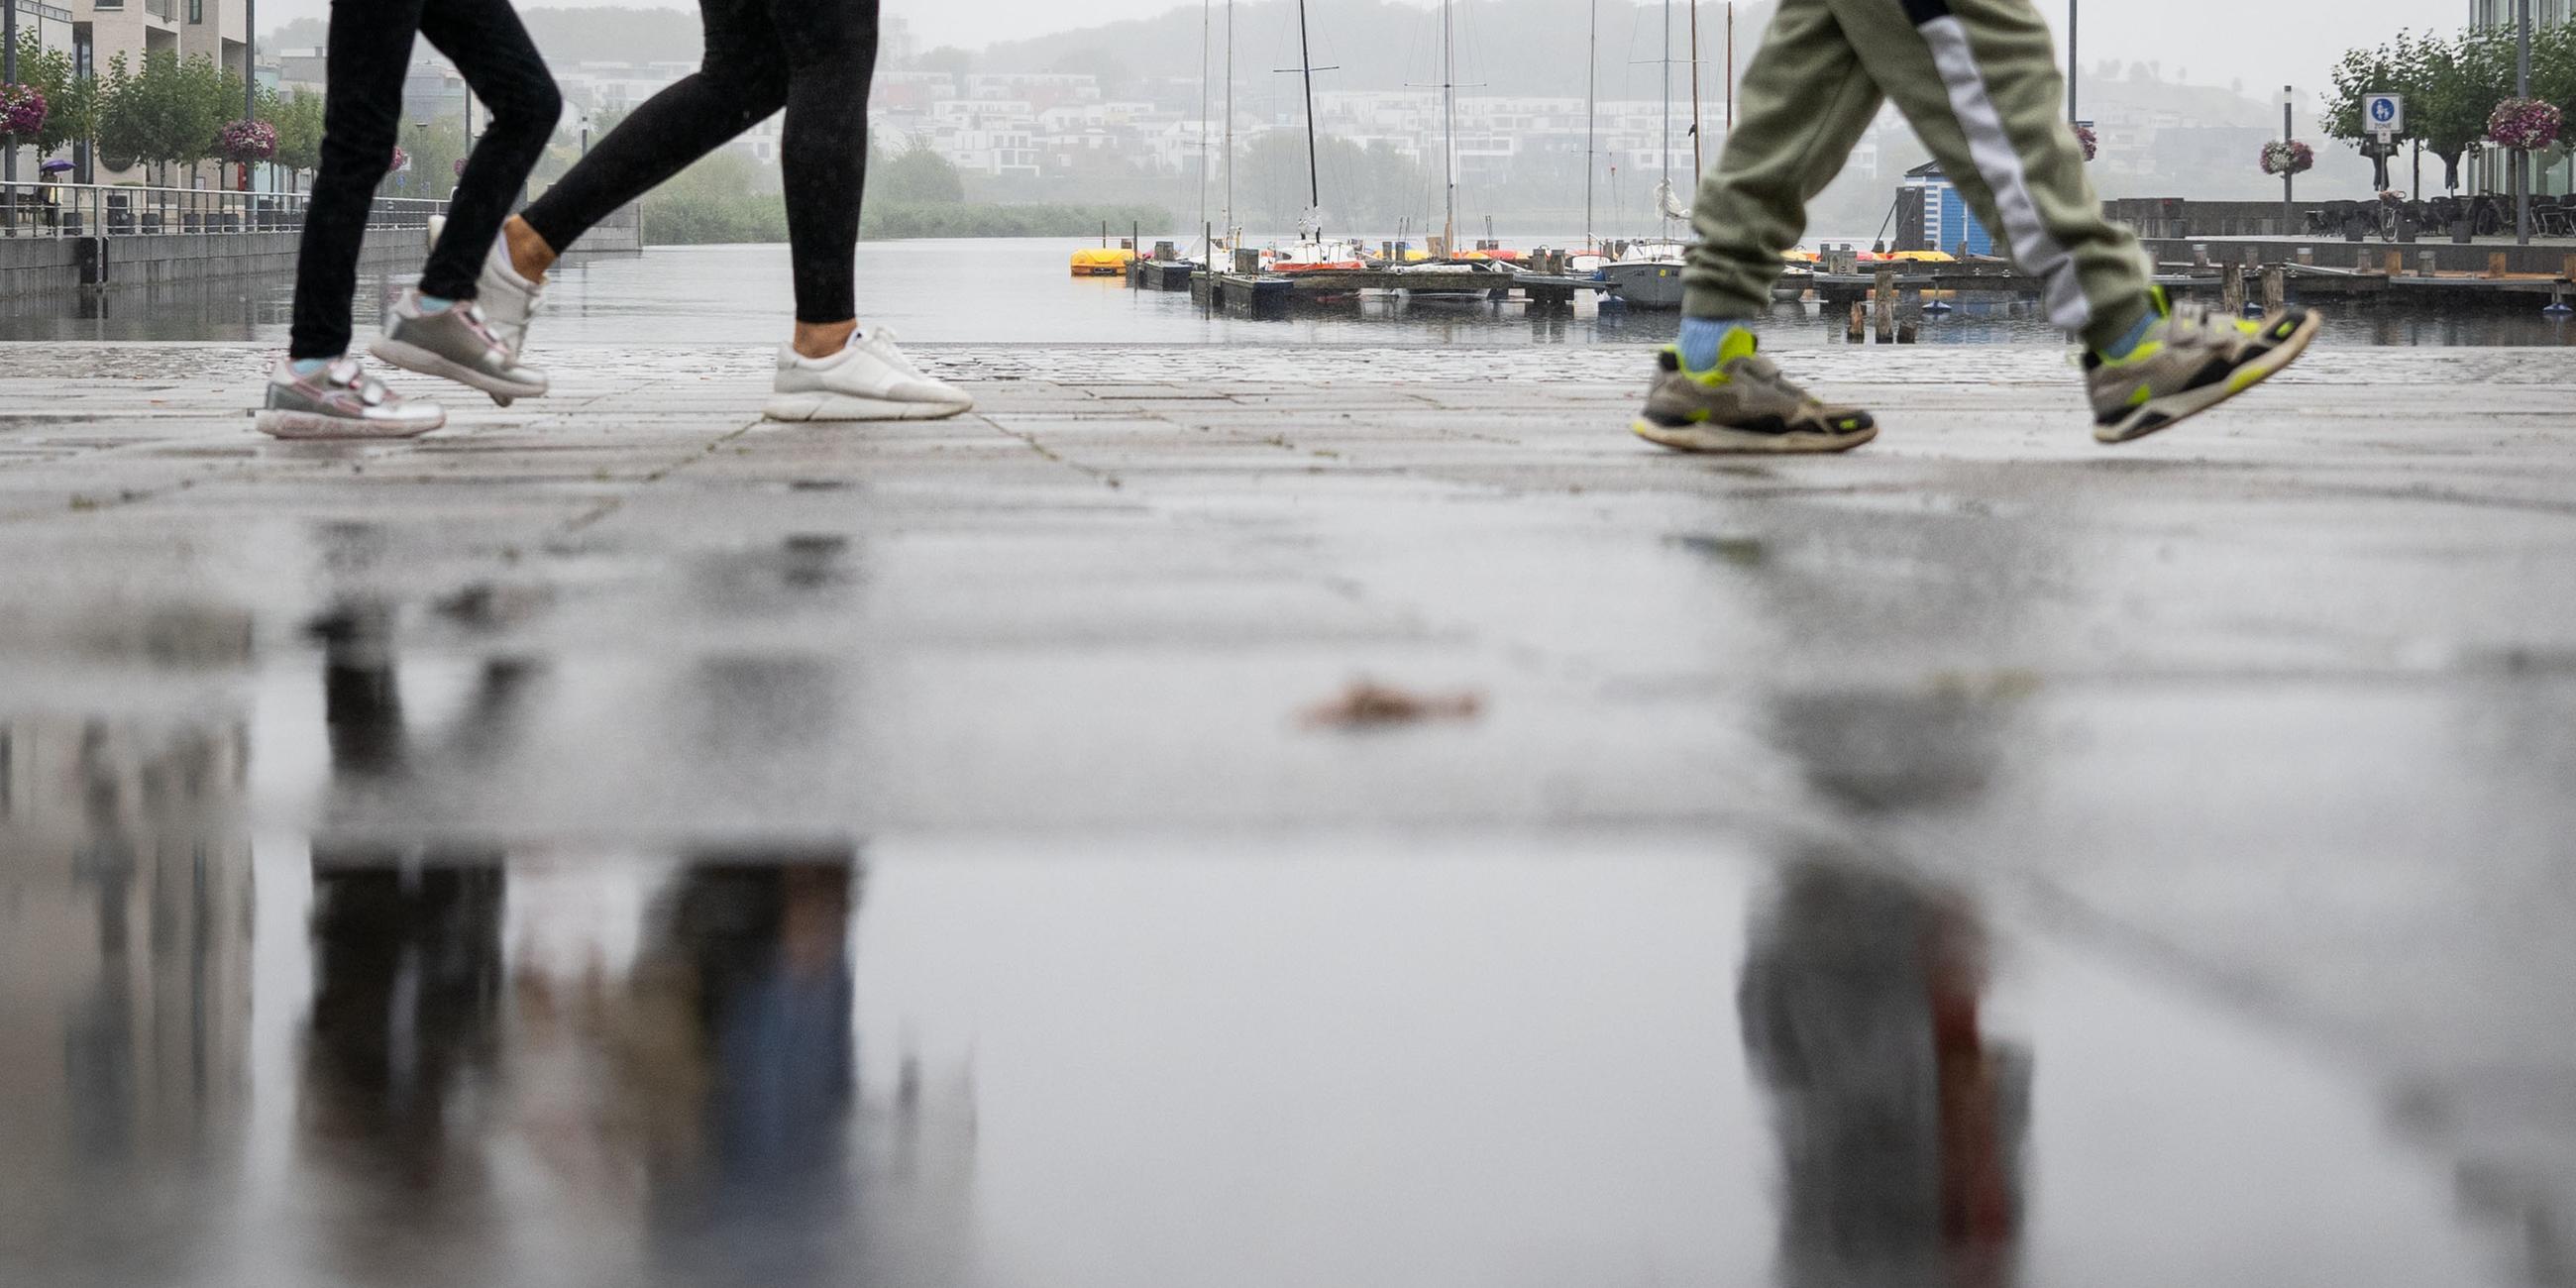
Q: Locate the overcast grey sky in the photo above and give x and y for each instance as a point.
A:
(2261, 41)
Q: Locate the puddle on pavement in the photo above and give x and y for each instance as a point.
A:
(261, 1033)
(245, 1056)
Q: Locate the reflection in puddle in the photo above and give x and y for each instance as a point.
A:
(1418, 1059)
(1899, 1121)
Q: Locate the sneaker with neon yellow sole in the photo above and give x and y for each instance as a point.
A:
(1742, 406)
(2190, 361)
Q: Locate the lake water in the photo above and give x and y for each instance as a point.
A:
(1018, 291)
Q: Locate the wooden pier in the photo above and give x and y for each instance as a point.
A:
(1907, 287)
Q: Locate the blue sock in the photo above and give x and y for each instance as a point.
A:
(308, 366)
(2128, 344)
(433, 304)
(1702, 338)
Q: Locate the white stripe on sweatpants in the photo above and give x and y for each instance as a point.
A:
(2000, 166)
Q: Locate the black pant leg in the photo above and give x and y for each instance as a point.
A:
(739, 82)
(832, 56)
(369, 50)
(491, 49)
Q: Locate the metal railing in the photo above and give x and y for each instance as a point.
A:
(95, 210)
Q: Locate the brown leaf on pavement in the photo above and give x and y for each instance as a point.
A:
(1367, 704)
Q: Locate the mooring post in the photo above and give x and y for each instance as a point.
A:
(2276, 288)
(1858, 330)
(2231, 290)
(1885, 293)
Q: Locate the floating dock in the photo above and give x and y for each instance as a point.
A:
(1908, 285)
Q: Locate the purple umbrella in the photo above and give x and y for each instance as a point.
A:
(55, 166)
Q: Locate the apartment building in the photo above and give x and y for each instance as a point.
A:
(2500, 13)
(51, 27)
(212, 29)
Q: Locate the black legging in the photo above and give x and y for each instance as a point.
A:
(370, 50)
(812, 57)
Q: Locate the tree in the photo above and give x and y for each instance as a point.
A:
(1363, 188)
(71, 99)
(946, 58)
(298, 118)
(167, 112)
(915, 176)
(2388, 69)
(725, 197)
(2451, 84)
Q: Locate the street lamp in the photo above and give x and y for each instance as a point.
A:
(2073, 63)
(9, 76)
(2289, 215)
(2522, 157)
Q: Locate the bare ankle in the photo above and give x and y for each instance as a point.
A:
(822, 339)
(529, 253)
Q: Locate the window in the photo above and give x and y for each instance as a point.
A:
(196, 12)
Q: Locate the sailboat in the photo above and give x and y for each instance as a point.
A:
(1451, 260)
(1311, 253)
(1647, 273)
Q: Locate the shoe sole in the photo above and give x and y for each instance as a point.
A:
(311, 425)
(822, 406)
(1722, 441)
(2171, 410)
(411, 357)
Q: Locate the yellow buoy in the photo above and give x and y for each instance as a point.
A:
(1101, 261)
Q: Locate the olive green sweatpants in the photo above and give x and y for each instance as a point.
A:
(1978, 81)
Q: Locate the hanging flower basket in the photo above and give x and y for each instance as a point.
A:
(2524, 123)
(22, 110)
(2288, 156)
(246, 141)
(2092, 145)
(402, 159)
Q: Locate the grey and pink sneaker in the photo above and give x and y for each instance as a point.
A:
(454, 343)
(341, 401)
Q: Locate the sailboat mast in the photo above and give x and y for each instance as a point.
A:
(1207, 29)
(1449, 132)
(1666, 68)
(1591, 112)
(1229, 123)
(1306, 66)
(1698, 167)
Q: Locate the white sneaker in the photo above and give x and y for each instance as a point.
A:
(508, 300)
(868, 380)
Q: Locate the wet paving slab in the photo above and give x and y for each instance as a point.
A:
(245, 1058)
(618, 842)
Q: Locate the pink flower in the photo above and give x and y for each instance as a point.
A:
(22, 110)
(246, 141)
(2092, 145)
(2288, 156)
(2525, 123)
